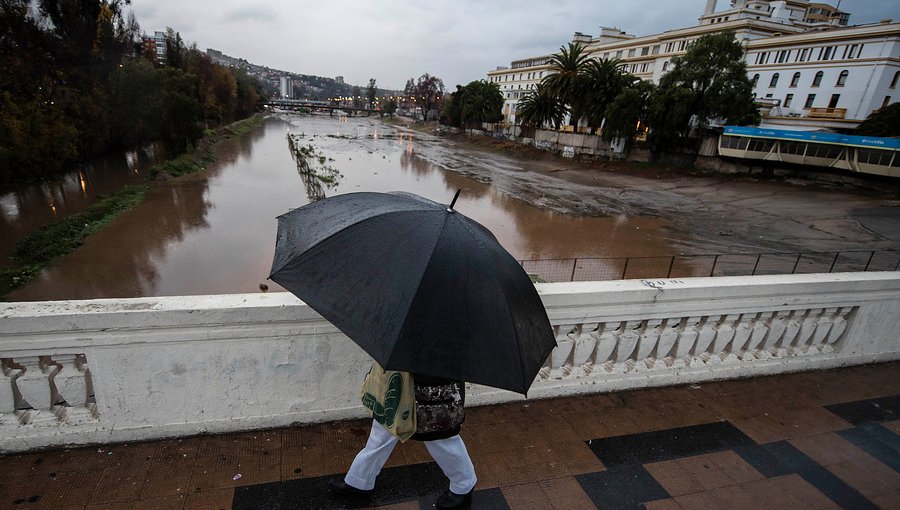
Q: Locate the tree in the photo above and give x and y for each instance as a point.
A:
(429, 90)
(409, 91)
(482, 102)
(626, 115)
(474, 104)
(451, 109)
(390, 106)
(604, 80)
(71, 89)
(567, 78)
(181, 110)
(371, 91)
(137, 103)
(709, 81)
(357, 99)
(884, 121)
(540, 107)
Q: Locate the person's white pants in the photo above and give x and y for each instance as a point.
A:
(450, 454)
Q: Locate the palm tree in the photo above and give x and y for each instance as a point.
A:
(539, 107)
(604, 80)
(567, 78)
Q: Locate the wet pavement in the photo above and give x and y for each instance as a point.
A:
(213, 232)
(813, 440)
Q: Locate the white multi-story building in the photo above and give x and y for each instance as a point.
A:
(286, 87)
(858, 65)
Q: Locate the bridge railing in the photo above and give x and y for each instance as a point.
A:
(112, 370)
(685, 266)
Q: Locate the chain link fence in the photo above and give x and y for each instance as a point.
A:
(593, 269)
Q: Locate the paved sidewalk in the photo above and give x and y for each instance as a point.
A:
(827, 439)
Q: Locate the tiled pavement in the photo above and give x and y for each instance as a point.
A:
(828, 439)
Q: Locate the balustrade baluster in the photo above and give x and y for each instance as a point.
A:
(564, 344)
(725, 331)
(705, 336)
(8, 374)
(838, 328)
(777, 324)
(647, 342)
(82, 365)
(759, 331)
(627, 342)
(808, 327)
(35, 389)
(823, 327)
(687, 338)
(606, 343)
(792, 329)
(667, 339)
(743, 331)
(585, 346)
(544, 372)
(71, 384)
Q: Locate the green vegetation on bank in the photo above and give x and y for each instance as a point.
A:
(37, 250)
(205, 152)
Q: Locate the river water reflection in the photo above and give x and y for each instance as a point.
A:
(30, 207)
(213, 232)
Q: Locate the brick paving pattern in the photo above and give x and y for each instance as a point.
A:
(814, 440)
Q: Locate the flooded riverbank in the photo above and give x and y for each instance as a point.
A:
(30, 207)
(213, 231)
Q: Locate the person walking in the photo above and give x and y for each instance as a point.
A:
(439, 411)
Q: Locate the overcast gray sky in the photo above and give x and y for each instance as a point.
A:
(393, 40)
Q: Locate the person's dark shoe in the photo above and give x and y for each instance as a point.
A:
(451, 500)
(348, 493)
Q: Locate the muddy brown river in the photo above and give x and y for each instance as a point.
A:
(213, 232)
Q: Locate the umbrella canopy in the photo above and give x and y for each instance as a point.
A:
(417, 285)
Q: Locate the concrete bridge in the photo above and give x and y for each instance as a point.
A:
(304, 104)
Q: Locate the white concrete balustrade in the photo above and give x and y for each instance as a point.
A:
(80, 372)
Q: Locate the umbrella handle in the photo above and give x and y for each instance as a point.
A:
(453, 202)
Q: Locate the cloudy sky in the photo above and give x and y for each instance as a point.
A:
(393, 40)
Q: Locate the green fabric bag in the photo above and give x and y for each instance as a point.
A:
(390, 395)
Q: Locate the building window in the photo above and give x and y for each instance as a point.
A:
(809, 101)
(645, 50)
(754, 81)
(842, 78)
(894, 81)
(631, 52)
(818, 79)
(834, 100)
(774, 80)
(795, 79)
(787, 100)
(655, 50)
(665, 65)
(619, 54)
(887, 101)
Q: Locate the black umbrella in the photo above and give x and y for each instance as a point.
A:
(417, 285)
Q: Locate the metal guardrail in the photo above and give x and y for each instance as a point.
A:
(685, 266)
